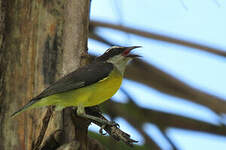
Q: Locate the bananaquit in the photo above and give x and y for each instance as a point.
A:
(87, 86)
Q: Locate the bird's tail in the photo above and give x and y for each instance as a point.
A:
(25, 107)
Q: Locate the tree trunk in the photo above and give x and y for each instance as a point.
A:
(40, 41)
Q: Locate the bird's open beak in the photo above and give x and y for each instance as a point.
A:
(129, 49)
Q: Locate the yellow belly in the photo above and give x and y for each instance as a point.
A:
(87, 96)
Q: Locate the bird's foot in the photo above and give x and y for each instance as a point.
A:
(101, 130)
(109, 123)
(103, 122)
(112, 123)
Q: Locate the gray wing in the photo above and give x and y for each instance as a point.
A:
(81, 77)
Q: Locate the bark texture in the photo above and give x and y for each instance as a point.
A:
(40, 41)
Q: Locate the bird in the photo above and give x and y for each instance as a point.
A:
(87, 86)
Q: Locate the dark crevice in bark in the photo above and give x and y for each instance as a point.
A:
(50, 60)
(45, 122)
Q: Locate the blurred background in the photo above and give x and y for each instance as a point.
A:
(173, 97)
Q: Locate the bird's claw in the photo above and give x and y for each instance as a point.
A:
(101, 130)
(114, 124)
(110, 123)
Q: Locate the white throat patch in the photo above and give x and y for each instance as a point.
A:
(119, 62)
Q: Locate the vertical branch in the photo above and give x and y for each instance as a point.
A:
(75, 36)
(75, 33)
(75, 44)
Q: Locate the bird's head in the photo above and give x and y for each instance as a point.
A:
(118, 56)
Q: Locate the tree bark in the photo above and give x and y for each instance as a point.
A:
(40, 41)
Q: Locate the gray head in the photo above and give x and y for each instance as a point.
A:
(119, 56)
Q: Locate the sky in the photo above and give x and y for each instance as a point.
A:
(202, 21)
